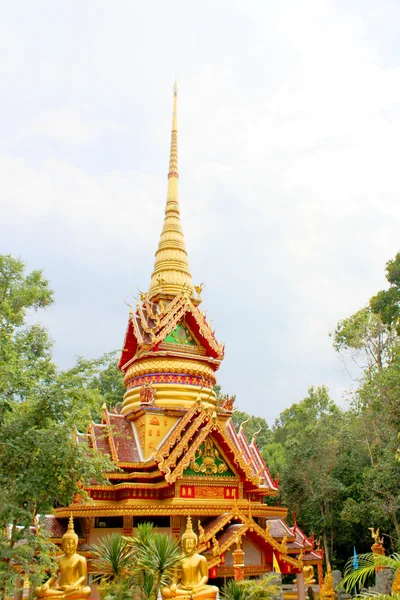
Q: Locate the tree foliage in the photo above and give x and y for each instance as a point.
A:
(386, 303)
(138, 565)
(368, 563)
(41, 464)
(266, 588)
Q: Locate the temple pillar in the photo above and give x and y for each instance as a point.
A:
(127, 526)
(87, 524)
(238, 562)
(320, 575)
(301, 591)
(176, 528)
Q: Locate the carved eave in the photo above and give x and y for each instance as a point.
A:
(224, 538)
(147, 330)
(164, 508)
(253, 459)
(213, 528)
(312, 558)
(115, 437)
(180, 448)
(279, 530)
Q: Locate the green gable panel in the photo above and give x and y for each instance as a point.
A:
(208, 461)
(180, 335)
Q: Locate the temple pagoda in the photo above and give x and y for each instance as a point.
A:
(174, 442)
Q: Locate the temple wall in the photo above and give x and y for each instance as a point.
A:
(252, 555)
(99, 532)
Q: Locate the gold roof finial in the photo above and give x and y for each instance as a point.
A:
(189, 533)
(255, 434)
(171, 264)
(70, 533)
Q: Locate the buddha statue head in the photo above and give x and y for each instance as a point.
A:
(189, 538)
(69, 542)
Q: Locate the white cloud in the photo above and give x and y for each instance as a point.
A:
(289, 137)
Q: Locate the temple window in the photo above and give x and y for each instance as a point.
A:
(156, 521)
(109, 522)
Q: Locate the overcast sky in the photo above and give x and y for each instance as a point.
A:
(289, 129)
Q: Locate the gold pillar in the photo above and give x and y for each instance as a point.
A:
(127, 526)
(238, 562)
(320, 575)
(176, 528)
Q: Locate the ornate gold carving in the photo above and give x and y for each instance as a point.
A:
(182, 445)
(249, 570)
(171, 365)
(208, 459)
(148, 508)
(177, 433)
(216, 548)
(185, 460)
(209, 492)
(226, 403)
(256, 480)
(396, 583)
(147, 394)
(202, 536)
(328, 589)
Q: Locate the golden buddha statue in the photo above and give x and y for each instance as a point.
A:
(71, 577)
(309, 577)
(190, 581)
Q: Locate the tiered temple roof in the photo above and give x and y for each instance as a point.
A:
(173, 443)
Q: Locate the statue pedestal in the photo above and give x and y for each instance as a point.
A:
(383, 581)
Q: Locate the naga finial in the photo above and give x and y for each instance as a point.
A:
(243, 423)
(129, 306)
(253, 439)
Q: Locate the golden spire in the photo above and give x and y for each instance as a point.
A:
(171, 272)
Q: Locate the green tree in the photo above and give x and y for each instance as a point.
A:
(386, 303)
(367, 565)
(373, 333)
(138, 565)
(308, 441)
(41, 464)
(256, 589)
(365, 339)
(113, 557)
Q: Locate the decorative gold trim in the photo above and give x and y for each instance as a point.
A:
(163, 508)
(135, 475)
(176, 434)
(214, 530)
(171, 460)
(152, 365)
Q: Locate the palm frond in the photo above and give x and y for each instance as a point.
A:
(232, 590)
(113, 557)
(376, 596)
(259, 589)
(266, 587)
(367, 563)
(160, 557)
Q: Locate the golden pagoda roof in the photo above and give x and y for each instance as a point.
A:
(171, 274)
(147, 329)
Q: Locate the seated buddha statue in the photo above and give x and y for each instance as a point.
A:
(70, 580)
(309, 577)
(190, 581)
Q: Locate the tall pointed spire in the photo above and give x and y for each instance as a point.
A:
(171, 268)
